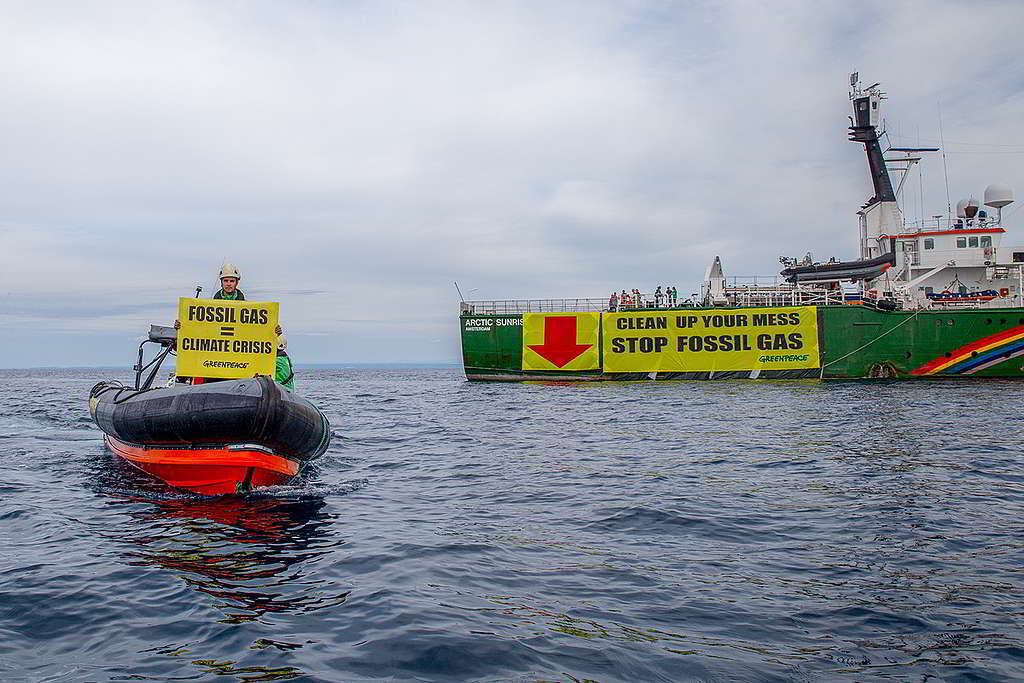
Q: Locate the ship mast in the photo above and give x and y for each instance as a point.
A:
(864, 130)
(880, 216)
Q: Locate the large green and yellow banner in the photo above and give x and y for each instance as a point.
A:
(226, 339)
(784, 338)
(561, 341)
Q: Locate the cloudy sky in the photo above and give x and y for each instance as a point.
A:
(356, 158)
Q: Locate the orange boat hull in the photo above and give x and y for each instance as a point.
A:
(205, 470)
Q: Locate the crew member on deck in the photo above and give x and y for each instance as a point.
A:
(284, 373)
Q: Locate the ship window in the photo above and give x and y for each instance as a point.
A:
(961, 242)
(988, 321)
(906, 354)
(929, 290)
(986, 241)
(972, 241)
(929, 243)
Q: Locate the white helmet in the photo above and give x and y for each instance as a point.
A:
(282, 342)
(228, 270)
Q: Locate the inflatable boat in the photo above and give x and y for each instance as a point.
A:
(866, 269)
(213, 438)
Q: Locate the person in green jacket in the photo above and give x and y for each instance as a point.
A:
(284, 374)
(229, 279)
(229, 291)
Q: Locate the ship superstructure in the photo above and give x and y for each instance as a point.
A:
(945, 261)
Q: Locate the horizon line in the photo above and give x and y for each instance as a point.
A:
(299, 366)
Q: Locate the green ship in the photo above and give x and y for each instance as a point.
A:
(936, 298)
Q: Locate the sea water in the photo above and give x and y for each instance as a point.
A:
(732, 531)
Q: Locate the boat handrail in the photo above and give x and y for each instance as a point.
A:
(740, 295)
(782, 296)
(518, 306)
(162, 336)
(952, 223)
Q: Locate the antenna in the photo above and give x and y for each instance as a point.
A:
(199, 289)
(462, 298)
(920, 186)
(945, 171)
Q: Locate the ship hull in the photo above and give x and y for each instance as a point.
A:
(209, 470)
(214, 438)
(853, 342)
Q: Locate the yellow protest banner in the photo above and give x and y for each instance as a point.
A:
(226, 339)
(561, 341)
(701, 340)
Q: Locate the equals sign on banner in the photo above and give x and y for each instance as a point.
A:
(227, 332)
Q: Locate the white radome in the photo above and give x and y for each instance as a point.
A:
(998, 195)
(961, 208)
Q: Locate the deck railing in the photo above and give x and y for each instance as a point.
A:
(738, 295)
(506, 306)
(951, 223)
(779, 296)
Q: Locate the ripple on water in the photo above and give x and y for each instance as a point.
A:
(734, 531)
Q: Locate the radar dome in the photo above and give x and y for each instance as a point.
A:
(961, 208)
(998, 195)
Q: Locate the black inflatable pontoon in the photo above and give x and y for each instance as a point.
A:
(216, 437)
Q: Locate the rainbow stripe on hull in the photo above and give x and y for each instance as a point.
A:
(978, 355)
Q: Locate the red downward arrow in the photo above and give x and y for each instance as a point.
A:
(559, 345)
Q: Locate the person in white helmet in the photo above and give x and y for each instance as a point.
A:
(229, 291)
(284, 373)
(229, 279)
